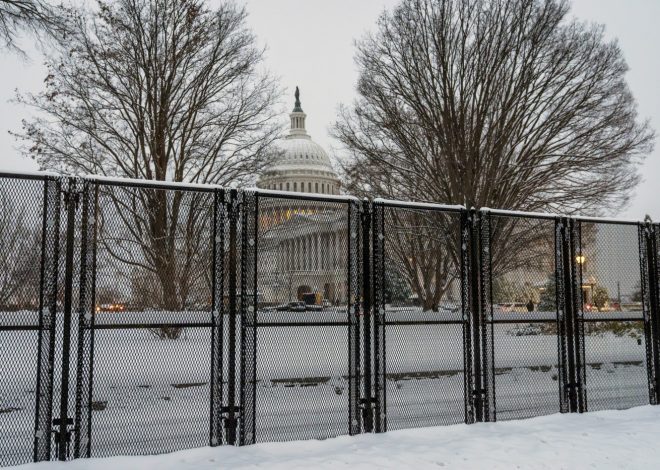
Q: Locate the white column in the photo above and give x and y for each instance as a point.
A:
(298, 253)
(335, 250)
(310, 253)
(306, 252)
(287, 255)
(324, 251)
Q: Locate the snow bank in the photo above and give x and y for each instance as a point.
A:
(603, 440)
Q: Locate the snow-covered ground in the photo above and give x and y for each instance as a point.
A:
(602, 440)
(151, 395)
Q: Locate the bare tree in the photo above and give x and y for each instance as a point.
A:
(498, 103)
(422, 247)
(32, 16)
(157, 90)
(20, 256)
(154, 89)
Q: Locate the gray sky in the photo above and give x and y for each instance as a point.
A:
(310, 44)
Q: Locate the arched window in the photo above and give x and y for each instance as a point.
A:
(295, 186)
(309, 187)
(316, 185)
(287, 186)
(280, 186)
(323, 188)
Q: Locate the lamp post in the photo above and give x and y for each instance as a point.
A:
(581, 260)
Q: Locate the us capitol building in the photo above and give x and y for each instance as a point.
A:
(302, 244)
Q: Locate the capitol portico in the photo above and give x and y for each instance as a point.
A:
(303, 242)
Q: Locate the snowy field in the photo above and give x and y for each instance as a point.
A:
(152, 395)
(603, 440)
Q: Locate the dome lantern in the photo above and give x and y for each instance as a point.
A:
(298, 119)
(303, 165)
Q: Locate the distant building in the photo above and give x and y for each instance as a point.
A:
(302, 244)
(304, 166)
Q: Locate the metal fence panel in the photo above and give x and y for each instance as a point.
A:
(152, 320)
(29, 254)
(305, 298)
(524, 316)
(611, 304)
(423, 325)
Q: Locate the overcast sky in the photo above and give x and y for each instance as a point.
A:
(310, 44)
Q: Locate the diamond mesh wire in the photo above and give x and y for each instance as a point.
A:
(25, 331)
(524, 316)
(423, 324)
(150, 333)
(152, 344)
(614, 342)
(304, 298)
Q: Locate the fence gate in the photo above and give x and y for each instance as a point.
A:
(523, 287)
(614, 330)
(30, 246)
(149, 319)
(418, 348)
(302, 375)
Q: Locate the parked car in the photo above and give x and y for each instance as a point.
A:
(518, 307)
(292, 307)
(453, 308)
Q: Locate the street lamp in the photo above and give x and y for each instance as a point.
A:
(580, 259)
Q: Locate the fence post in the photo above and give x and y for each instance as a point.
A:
(476, 316)
(578, 316)
(229, 418)
(466, 294)
(353, 313)
(477, 324)
(63, 435)
(650, 285)
(50, 244)
(367, 399)
(249, 214)
(487, 358)
(86, 304)
(378, 292)
(563, 354)
(569, 317)
(217, 315)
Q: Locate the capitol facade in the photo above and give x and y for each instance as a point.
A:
(302, 246)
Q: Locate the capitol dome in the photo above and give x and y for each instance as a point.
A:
(303, 166)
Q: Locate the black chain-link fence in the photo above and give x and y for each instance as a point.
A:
(141, 317)
(614, 340)
(423, 318)
(524, 316)
(306, 296)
